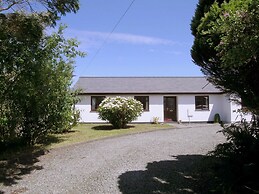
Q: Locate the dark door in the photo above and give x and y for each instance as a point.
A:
(170, 108)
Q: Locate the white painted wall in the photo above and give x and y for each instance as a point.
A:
(155, 109)
(236, 115)
(219, 103)
(84, 106)
(187, 111)
(226, 109)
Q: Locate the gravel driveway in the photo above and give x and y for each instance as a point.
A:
(152, 162)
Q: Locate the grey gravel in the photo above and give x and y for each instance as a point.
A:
(111, 165)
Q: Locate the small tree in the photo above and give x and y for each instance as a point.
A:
(119, 110)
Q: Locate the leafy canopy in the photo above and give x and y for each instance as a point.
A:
(35, 79)
(35, 71)
(226, 48)
(49, 10)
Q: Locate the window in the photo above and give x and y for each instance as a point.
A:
(202, 102)
(144, 100)
(95, 101)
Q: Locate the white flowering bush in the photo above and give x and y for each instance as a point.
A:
(119, 111)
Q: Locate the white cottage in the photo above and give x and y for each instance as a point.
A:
(185, 99)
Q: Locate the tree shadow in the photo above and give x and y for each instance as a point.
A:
(109, 127)
(51, 138)
(12, 170)
(183, 174)
(17, 160)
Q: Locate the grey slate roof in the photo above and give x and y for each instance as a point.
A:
(142, 85)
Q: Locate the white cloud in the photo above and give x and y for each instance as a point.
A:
(93, 38)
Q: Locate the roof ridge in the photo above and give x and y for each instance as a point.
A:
(145, 84)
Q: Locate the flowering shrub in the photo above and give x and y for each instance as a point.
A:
(119, 110)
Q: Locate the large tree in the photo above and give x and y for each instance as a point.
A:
(35, 78)
(226, 47)
(35, 70)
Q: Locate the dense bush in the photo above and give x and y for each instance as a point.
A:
(35, 80)
(239, 156)
(119, 110)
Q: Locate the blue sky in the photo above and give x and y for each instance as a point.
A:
(153, 38)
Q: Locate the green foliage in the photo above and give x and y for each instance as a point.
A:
(35, 80)
(202, 52)
(119, 110)
(35, 71)
(202, 7)
(226, 48)
(217, 118)
(48, 10)
(240, 157)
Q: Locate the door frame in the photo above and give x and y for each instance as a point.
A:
(175, 109)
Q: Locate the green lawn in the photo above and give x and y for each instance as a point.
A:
(88, 132)
(80, 133)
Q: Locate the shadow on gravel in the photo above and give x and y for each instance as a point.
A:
(183, 174)
(12, 170)
(109, 127)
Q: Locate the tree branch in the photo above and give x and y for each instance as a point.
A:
(32, 10)
(9, 6)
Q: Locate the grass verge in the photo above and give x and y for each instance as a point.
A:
(89, 132)
(79, 134)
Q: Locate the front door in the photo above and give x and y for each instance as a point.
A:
(170, 109)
